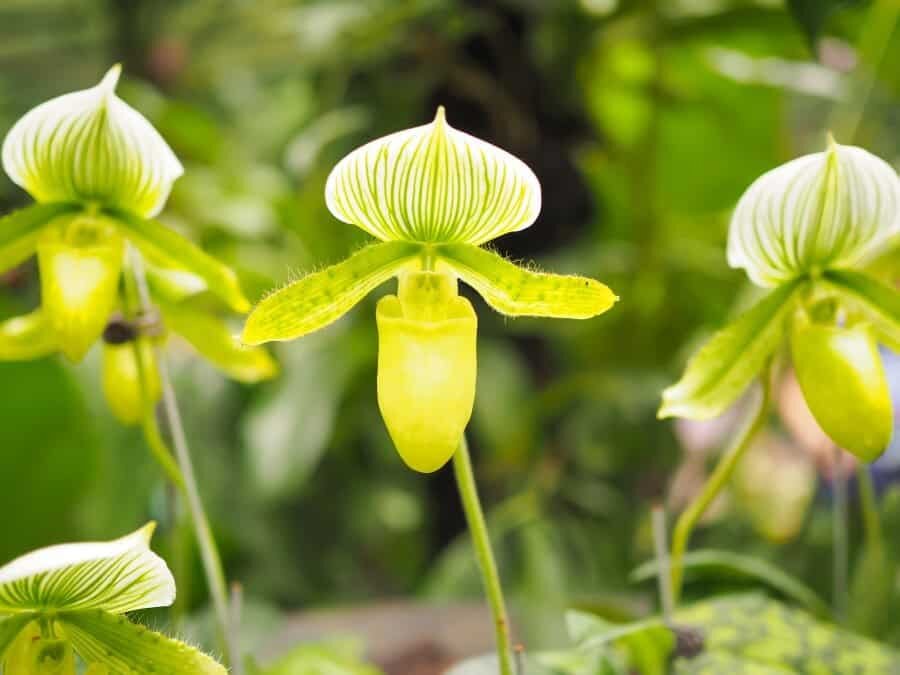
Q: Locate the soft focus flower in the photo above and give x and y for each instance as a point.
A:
(433, 195)
(71, 599)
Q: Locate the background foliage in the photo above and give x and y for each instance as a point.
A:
(644, 122)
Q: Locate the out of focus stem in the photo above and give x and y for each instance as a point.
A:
(182, 475)
(716, 482)
(468, 492)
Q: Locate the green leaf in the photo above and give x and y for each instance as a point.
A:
(163, 244)
(433, 184)
(214, 339)
(828, 210)
(10, 627)
(879, 303)
(812, 14)
(516, 291)
(743, 566)
(117, 576)
(19, 231)
(91, 147)
(316, 300)
(125, 647)
(726, 365)
(26, 337)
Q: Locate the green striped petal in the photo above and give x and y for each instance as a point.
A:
(433, 184)
(114, 645)
(833, 209)
(515, 291)
(90, 146)
(117, 576)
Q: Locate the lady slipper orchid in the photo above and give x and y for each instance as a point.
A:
(99, 173)
(68, 600)
(804, 230)
(433, 196)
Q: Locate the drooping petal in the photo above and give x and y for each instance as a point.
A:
(114, 642)
(320, 298)
(10, 628)
(19, 231)
(117, 576)
(126, 394)
(878, 303)
(516, 291)
(214, 339)
(26, 337)
(433, 184)
(90, 146)
(165, 246)
(832, 209)
(80, 263)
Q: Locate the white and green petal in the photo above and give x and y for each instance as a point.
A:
(434, 184)
(89, 146)
(117, 576)
(828, 210)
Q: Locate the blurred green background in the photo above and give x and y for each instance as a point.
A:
(644, 121)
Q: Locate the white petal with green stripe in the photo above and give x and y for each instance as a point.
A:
(117, 576)
(433, 184)
(90, 146)
(829, 210)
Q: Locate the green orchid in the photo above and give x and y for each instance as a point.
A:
(99, 173)
(433, 196)
(805, 230)
(71, 599)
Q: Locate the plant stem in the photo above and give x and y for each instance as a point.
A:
(716, 482)
(871, 518)
(839, 533)
(664, 578)
(468, 492)
(136, 287)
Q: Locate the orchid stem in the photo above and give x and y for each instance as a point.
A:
(138, 291)
(660, 544)
(839, 527)
(468, 492)
(715, 483)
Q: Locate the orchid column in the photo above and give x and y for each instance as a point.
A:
(433, 196)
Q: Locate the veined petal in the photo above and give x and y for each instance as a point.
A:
(90, 146)
(320, 298)
(117, 576)
(516, 291)
(433, 184)
(832, 209)
(120, 646)
(26, 337)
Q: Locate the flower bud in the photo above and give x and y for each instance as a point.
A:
(122, 379)
(842, 377)
(426, 368)
(80, 261)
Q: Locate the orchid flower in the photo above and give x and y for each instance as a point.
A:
(99, 173)
(805, 231)
(68, 600)
(432, 196)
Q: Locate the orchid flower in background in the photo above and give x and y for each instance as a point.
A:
(100, 173)
(804, 231)
(69, 601)
(433, 196)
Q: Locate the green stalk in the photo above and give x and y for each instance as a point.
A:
(468, 492)
(839, 531)
(716, 482)
(138, 295)
(871, 517)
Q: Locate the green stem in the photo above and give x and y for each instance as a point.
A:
(839, 533)
(871, 519)
(715, 483)
(468, 492)
(139, 296)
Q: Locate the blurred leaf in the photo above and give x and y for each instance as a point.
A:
(812, 14)
(333, 658)
(719, 663)
(749, 567)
